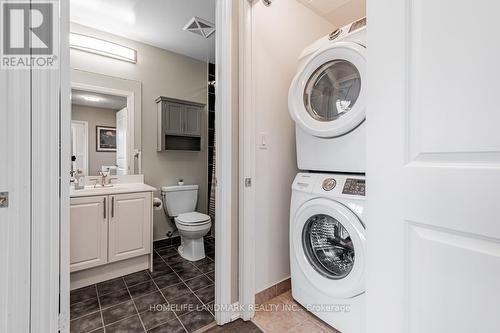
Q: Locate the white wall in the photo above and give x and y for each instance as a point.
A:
(280, 33)
(161, 73)
(342, 13)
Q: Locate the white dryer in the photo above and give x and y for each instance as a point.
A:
(327, 248)
(327, 101)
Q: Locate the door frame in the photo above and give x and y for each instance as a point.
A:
(224, 127)
(127, 156)
(247, 164)
(86, 126)
(224, 161)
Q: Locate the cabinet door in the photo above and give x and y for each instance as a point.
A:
(88, 232)
(130, 225)
(192, 121)
(174, 114)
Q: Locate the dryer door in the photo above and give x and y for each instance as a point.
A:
(329, 244)
(327, 97)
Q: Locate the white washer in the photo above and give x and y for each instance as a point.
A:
(327, 101)
(328, 248)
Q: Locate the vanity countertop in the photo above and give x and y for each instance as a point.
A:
(90, 191)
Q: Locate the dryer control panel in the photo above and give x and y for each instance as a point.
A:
(354, 186)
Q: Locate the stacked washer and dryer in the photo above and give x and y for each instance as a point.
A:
(327, 101)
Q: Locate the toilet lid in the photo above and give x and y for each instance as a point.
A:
(193, 218)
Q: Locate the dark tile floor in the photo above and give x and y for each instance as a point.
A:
(177, 296)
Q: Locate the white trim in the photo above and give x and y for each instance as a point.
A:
(130, 89)
(65, 167)
(224, 146)
(132, 113)
(247, 165)
(86, 152)
(46, 190)
(236, 314)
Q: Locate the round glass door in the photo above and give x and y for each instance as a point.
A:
(332, 90)
(328, 246)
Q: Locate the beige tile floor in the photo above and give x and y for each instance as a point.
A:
(285, 315)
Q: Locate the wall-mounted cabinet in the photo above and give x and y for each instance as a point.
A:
(179, 124)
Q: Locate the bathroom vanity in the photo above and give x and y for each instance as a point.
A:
(111, 231)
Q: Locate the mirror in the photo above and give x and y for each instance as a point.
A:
(99, 124)
(105, 124)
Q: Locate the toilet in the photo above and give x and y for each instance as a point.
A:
(180, 202)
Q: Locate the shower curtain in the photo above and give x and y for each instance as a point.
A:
(211, 203)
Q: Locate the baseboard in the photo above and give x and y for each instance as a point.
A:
(236, 315)
(273, 291)
(159, 243)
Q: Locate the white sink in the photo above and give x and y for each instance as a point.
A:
(115, 189)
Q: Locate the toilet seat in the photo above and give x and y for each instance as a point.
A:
(193, 218)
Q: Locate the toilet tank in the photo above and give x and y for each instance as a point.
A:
(180, 199)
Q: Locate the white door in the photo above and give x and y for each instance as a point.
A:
(433, 216)
(129, 225)
(80, 144)
(121, 142)
(88, 232)
(15, 200)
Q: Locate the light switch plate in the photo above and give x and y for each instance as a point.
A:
(263, 145)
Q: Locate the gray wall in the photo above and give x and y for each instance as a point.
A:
(162, 73)
(95, 117)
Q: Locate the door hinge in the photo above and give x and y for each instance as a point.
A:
(248, 182)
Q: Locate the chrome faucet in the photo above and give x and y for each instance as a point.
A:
(105, 180)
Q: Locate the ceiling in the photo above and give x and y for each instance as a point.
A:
(156, 22)
(97, 100)
(338, 12)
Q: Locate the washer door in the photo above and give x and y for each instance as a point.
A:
(327, 96)
(328, 241)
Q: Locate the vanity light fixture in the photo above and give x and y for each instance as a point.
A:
(102, 47)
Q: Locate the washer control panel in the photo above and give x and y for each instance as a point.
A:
(329, 184)
(354, 186)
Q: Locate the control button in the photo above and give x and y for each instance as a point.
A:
(329, 184)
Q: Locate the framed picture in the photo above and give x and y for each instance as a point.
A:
(106, 139)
